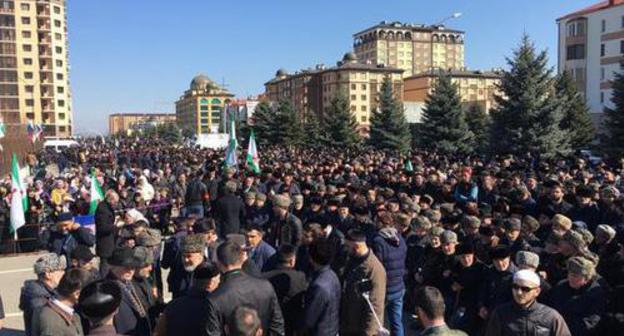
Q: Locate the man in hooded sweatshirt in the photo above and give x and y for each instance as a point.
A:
(390, 248)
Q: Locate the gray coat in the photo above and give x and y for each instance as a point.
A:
(51, 320)
(537, 320)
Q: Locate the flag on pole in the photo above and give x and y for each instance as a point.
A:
(408, 166)
(96, 195)
(253, 161)
(230, 155)
(19, 198)
(34, 131)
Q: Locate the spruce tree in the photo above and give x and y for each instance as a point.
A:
(613, 140)
(314, 130)
(576, 120)
(389, 130)
(444, 127)
(263, 121)
(340, 124)
(528, 113)
(479, 124)
(288, 125)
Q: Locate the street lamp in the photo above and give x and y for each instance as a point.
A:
(453, 16)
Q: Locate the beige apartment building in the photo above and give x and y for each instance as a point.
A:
(201, 107)
(313, 90)
(125, 123)
(475, 87)
(414, 48)
(34, 69)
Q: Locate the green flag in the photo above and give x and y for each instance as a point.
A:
(96, 195)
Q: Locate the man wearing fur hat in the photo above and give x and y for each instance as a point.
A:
(286, 228)
(581, 298)
(181, 275)
(229, 211)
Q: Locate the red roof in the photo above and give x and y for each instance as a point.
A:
(593, 8)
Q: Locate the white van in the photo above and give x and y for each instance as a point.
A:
(59, 145)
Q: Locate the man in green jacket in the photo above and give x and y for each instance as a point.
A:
(430, 311)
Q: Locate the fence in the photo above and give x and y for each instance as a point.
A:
(16, 141)
(27, 240)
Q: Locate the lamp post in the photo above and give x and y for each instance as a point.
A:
(450, 17)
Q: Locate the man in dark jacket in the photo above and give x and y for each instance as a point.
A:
(190, 257)
(524, 315)
(49, 269)
(98, 304)
(260, 252)
(67, 234)
(496, 287)
(229, 211)
(286, 227)
(581, 299)
(105, 229)
(391, 250)
(322, 300)
(290, 286)
(239, 289)
(430, 309)
(193, 314)
(196, 194)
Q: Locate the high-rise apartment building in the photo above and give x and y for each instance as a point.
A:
(412, 47)
(126, 123)
(201, 108)
(591, 49)
(34, 69)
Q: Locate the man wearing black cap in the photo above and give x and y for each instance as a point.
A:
(105, 229)
(67, 234)
(82, 258)
(193, 314)
(132, 318)
(467, 279)
(229, 211)
(496, 288)
(98, 303)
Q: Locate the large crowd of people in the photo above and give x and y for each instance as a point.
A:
(322, 242)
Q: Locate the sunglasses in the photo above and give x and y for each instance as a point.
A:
(523, 289)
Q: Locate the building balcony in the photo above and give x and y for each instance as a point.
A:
(6, 11)
(44, 27)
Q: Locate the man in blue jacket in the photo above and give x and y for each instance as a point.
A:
(322, 301)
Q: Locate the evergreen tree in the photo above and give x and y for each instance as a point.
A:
(479, 124)
(290, 124)
(389, 130)
(340, 124)
(314, 130)
(576, 120)
(613, 140)
(528, 114)
(263, 121)
(444, 126)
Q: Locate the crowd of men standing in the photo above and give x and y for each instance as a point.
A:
(332, 242)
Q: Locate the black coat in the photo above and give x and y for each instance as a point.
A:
(191, 315)
(581, 308)
(129, 320)
(61, 244)
(239, 289)
(290, 286)
(104, 230)
(230, 214)
(322, 304)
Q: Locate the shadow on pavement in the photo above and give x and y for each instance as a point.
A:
(11, 332)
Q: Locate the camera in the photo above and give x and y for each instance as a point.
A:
(364, 286)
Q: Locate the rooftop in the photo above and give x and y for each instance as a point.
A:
(147, 114)
(593, 8)
(411, 27)
(460, 73)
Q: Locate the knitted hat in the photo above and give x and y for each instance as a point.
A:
(421, 222)
(448, 237)
(527, 258)
(575, 239)
(193, 243)
(149, 238)
(581, 266)
(281, 201)
(50, 262)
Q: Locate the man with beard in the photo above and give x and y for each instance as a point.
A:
(496, 287)
(192, 255)
(286, 227)
(66, 236)
(142, 284)
(467, 277)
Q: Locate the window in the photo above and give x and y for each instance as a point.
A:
(60, 89)
(26, 20)
(60, 103)
(363, 108)
(602, 50)
(25, 6)
(353, 108)
(28, 61)
(363, 118)
(580, 29)
(61, 128)
(622, 47)
(30, 102)
(57, 10)
(29, 88)
(353, 87)
(28, 75)
(57, 23)
(59, 50)
(58, 36)
(363, 97)
(602, 97)
(62, 116)
(27, 47)
(603, 26)
(203, 108)
(602, 73)
(363, 86)
(59, 63)
(59, 76)
(26, 34)
(576, 51)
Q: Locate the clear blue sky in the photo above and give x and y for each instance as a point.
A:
(140, 55)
